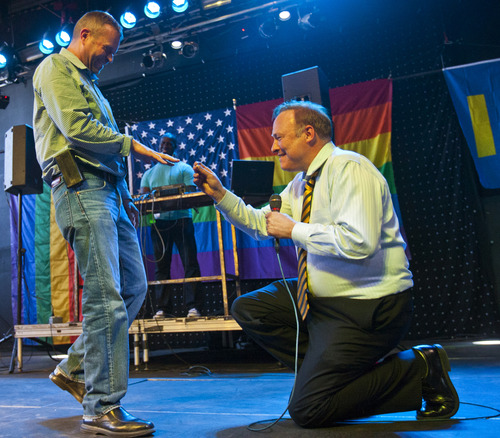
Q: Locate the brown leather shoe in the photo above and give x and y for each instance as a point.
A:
(440, 397)
(118, 422)
(76, 389)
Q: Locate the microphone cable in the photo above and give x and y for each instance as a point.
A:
(297, 322)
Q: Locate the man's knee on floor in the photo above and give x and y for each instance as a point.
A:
(314, 414)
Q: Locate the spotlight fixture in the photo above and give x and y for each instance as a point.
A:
(63, 38)
(10, 66)
(128, 20)
(152, 9)
(284, 15)
(176, 45)
(268, 28)
(189, 49)
(46, 46)
(309, 21)
(153, 59)
(180, 5)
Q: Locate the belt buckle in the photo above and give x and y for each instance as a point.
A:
(55, 181)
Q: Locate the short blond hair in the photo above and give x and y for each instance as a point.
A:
(95, 21)
(308, 113)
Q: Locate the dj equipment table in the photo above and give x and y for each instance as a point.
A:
(194, 200)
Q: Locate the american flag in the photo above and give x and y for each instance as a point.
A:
(209, 137)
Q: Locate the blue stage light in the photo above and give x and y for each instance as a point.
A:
(152, 9)
(46, 46)
(63, 38)
(128, 20)
(180, 5)
(3, 61)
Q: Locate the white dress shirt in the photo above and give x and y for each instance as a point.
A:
(353, 242)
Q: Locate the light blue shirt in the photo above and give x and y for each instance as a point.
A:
(163, 175)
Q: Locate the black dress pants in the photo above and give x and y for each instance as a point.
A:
(344, 371)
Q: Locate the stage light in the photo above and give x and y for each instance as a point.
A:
(309, 21)
(284, 15)
(152, 10)
(10, 66)
(176, 45)
(180, 5)
(153, 59)
(189, 49)
(128, 20)
(46, 46)
(63, 38)
(268, 28)
(488, 342)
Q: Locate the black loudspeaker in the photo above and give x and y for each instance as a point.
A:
(309, 84)
(22, 173)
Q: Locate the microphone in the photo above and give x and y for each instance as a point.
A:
(275, 204)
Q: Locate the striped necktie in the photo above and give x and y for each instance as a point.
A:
(302, 253)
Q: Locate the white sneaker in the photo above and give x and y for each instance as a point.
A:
(193, 313)
(160, 314)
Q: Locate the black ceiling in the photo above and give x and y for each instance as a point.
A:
(468, 27)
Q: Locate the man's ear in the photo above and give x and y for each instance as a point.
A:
(84, 34)
(310, 134)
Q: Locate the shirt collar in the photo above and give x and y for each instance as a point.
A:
(78, 63)
(319, 159)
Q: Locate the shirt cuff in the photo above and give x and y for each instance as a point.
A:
(300, 234)
(228, 202)
(127, 145)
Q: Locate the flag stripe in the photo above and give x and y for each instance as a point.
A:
(358, 96)
(256, 115)
(377, 149)
(485, 144)
(256, 142)
(362, 124)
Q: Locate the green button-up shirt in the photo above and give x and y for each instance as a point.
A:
(71, 113)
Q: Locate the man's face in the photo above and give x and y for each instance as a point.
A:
(290, 149)
(167, 145)
(100, 48)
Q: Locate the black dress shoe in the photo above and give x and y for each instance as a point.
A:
(118, 422)
(76, 389)
(440, 397)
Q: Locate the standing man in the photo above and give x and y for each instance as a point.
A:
(173, 227)
(81, 153)
(352, 293)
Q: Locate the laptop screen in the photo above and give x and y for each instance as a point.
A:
(250, 178)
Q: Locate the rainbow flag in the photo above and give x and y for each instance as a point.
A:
(48, 267)
(362, 118)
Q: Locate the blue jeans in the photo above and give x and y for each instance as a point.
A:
(92, 219)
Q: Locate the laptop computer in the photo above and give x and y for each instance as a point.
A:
(252, 180)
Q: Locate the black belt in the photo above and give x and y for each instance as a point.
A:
(106, 176)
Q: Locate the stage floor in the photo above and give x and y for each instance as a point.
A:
(220, 394)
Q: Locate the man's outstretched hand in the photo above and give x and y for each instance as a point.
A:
(208, 182)
(147, 154)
